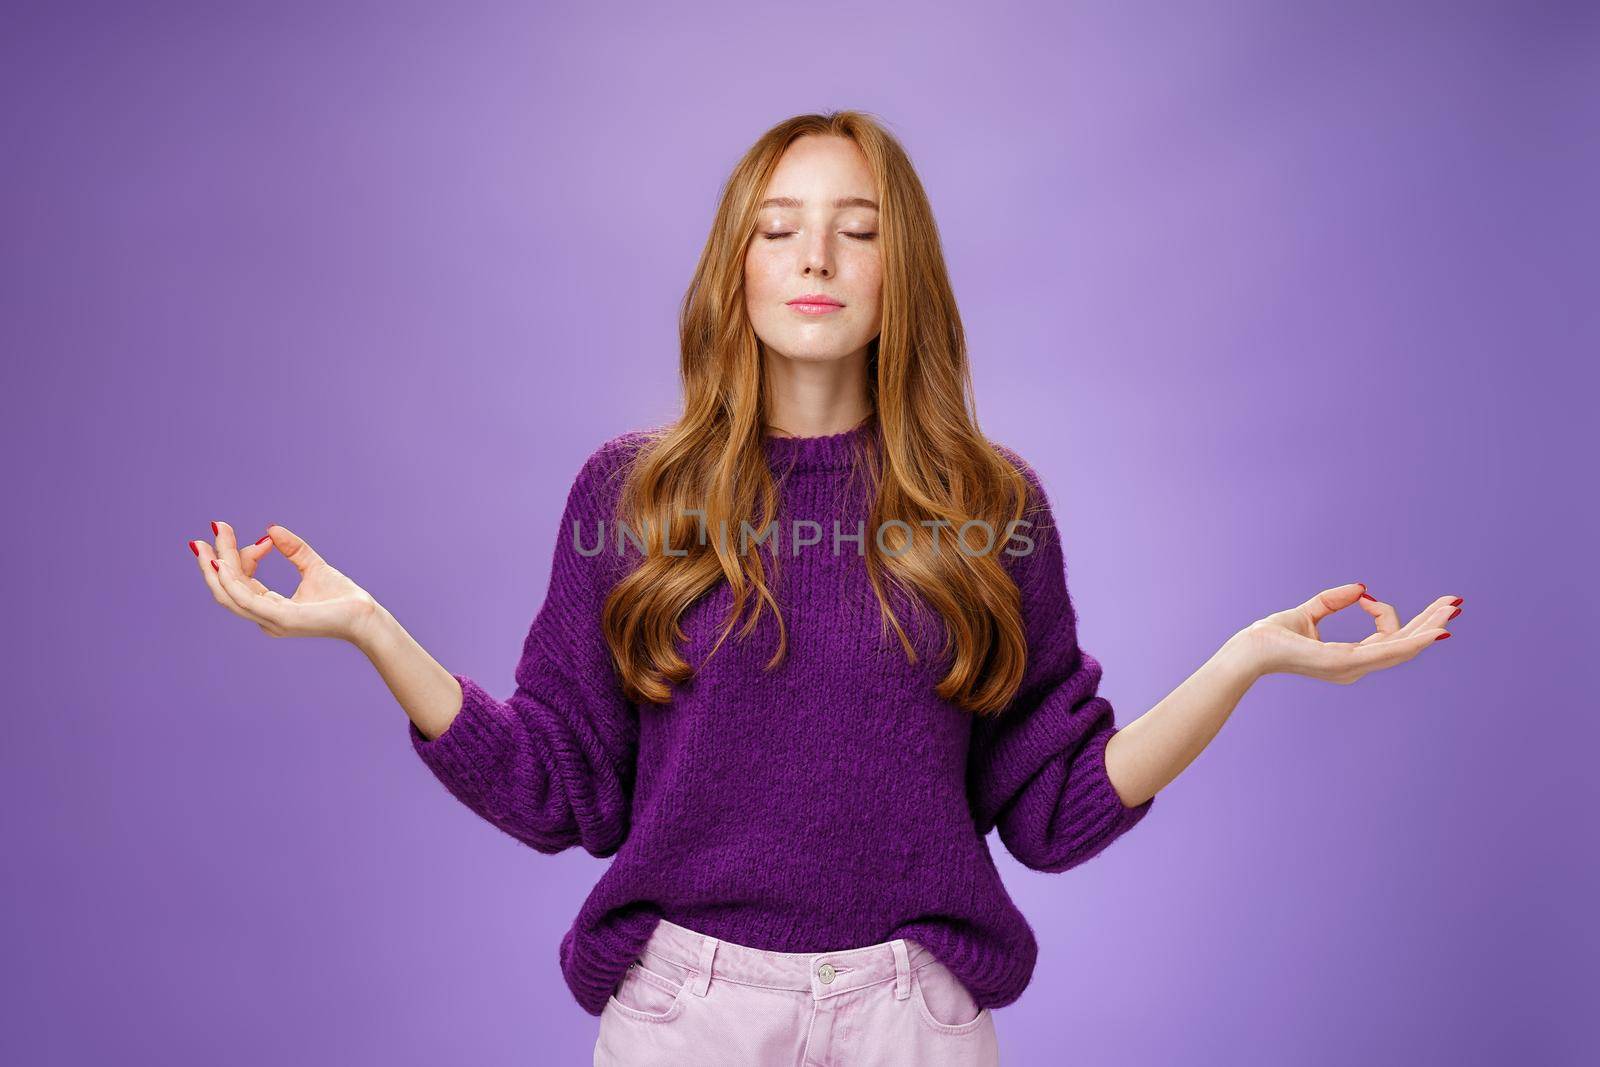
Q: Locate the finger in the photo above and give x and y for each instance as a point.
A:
(250, 556)
(257, 607)
(1378, 656)
(1329, 601)
(1385, 619)
(1435, 615)
(227, 545)
(296, 550)
(207, 558)
(1432, 616)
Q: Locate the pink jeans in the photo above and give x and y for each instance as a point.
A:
(694, 999)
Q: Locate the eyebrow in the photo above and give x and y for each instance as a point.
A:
(843, 201)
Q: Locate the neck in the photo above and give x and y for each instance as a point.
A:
(815, 398)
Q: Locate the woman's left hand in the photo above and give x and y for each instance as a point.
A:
(1286, 642)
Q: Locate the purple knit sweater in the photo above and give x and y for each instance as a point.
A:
(832, 802)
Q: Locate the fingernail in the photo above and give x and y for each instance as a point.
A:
(194, 546)
(1453, 614)
(263, 537)
(1368, 596)
(214, 530)
(1457, 600)
(1442, 636)
(214, 566)
(1362, 584)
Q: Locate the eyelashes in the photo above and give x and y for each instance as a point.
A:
(786, 233)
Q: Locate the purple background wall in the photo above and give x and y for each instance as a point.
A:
(1276, 297)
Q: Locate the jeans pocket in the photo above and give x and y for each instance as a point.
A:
(652, 990)
(943, 1001)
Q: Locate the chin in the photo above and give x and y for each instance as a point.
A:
(808, 355)
(813, 350)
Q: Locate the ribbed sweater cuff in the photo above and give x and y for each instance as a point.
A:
(467, 756)
(1105, 816)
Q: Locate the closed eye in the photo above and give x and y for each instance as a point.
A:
(790, 233)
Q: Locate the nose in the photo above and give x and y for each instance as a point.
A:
(817, 258)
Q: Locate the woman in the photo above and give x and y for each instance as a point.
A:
(799, 815)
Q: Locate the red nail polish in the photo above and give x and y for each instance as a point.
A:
(214, 530)
(214, 566)
(1453, 614)
(263, 537)
(1368, 596)
(194, 547)
(1456, 601)
(1442, 636)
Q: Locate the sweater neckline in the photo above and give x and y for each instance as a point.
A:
(826, 452)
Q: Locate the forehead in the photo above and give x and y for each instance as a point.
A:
(818, 170)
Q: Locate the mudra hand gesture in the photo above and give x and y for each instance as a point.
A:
(326, 603)
(1286, 642)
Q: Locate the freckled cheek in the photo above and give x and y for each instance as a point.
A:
(867, 282)
(866, 268)
(759, 278)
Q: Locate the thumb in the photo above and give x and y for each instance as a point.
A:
(1331, 600)
(294, 549)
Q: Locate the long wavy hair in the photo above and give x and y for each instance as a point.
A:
(924, 455)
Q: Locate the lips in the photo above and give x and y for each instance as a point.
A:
(815, 304)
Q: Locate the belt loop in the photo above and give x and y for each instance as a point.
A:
(702, 980)
(902, 969)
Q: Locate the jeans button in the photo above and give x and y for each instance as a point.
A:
(826, 973)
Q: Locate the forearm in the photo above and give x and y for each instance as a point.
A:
(1152, 750)
(429, 694)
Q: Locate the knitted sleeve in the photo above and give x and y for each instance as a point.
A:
(1038, 771)
(553, 764)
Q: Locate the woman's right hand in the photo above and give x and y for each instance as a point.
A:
(324, 604)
